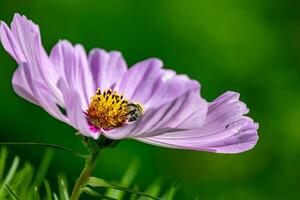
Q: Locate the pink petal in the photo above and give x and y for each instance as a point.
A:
(23, 42)
(21, 86)
(41, 93)
(72, 65)
(10, 44)
(185, 112)
(107, 67)
(75, 112)
(225, 129)
(138, 83)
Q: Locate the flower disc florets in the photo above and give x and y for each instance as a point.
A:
(108, 109)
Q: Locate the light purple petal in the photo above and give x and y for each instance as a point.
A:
(71, 62)
(10, 44)
(21, 86)
(37, 77)
(41, 93)
(171, 101)
(168, 88)
(237, 141)
(138, 83)
(23, 42)
(244, 140)
(185, 112)
(107, 67)
(75, 112)
(225, 129)
(147, 83)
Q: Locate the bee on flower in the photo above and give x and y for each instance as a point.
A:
(102, 96)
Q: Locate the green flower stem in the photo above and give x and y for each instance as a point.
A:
(86, 173)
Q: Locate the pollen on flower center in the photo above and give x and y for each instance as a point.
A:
(108, 109)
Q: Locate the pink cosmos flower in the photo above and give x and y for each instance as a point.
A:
(100, 95)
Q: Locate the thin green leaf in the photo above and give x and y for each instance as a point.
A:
(173, 190)
(3, 157)
(48, 190)
(11, 173)
(42, 170)
(134, 196)
(53, 146)
(63, 187)
(97, 182)
(36, 194)
(93, 193)
(153, 189)
(126, 180)
(12, 194)
(22, 180)
(55, 196)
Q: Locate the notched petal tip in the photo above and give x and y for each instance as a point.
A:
(2, 25)
(5, 36)
(18, 15)
(244, 140)
(155, 61)
(227, 110)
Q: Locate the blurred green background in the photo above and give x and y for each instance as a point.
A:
(250, 46)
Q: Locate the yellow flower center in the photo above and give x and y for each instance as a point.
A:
(108, 109)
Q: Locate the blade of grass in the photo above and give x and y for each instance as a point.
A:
(11, 173)
(36, 194)
(125, 182)
(97, 182)
(63, 187)
(93, 193)
(134, 196)
(42, 170)
(48, 190)
(173, 190)
(153, 189)
(53, 146)
(55, 196)
(3, 157)
(22, 180)
(11, 193)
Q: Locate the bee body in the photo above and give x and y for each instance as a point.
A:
(135, 112)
